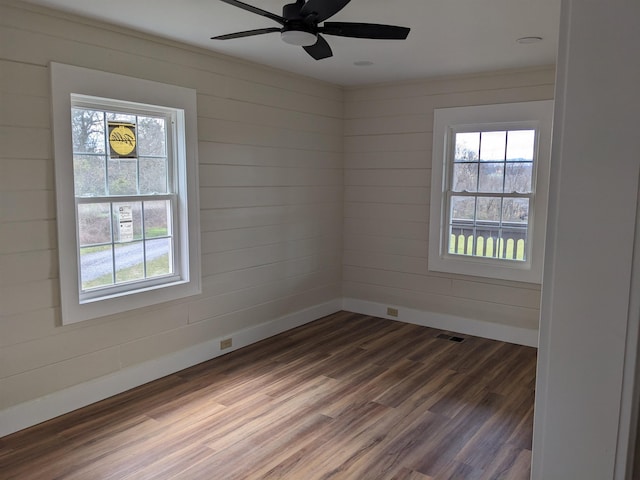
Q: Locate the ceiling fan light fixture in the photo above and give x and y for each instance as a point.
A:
(299, 38)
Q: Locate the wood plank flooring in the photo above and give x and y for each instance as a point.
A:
(345, 397)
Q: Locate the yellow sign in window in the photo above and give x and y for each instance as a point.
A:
(122, 140)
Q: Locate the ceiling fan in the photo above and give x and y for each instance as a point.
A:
(300, 27)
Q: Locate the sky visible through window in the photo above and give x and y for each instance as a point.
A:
(492, 148)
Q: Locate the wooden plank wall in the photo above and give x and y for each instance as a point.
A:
(271, 197)
(388, 132)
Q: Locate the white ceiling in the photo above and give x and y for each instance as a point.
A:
(447, 36)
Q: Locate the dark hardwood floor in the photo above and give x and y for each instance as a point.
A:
(345, 397)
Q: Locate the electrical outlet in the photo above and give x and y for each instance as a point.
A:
(226, 343)
(392, 312)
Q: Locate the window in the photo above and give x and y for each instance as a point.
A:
(126, 179)
(489, 190)
(125, 195)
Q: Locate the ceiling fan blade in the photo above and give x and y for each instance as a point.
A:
(322, 9)
(365, 30)
(248, 33)
(320, 49)
(259, 11)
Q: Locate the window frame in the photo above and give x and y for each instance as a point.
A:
(511, 116)
(70, 84)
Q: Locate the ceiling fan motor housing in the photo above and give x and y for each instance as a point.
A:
(298, 30)
(291, 11)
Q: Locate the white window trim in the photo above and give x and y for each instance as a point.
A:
(67, 80)
(446, 120)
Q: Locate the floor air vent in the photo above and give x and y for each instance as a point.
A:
(451, 338)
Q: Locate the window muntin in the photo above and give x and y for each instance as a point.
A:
(490, 189)
(125, 202)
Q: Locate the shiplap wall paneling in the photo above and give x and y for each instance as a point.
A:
(270, 148)
(388, 141)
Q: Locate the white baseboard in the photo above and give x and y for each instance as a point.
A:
(441, 321)
(64, 401)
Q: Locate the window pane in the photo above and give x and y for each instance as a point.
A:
(122, 176)
(153, 175)
(87, 127)
(491, 177)
(515, 210)
(518, 177)
(463, 208)
(492, 146)
(93, 223)
(465, 177)
(159, 261)
(520, 145)
(157, 218)
(89, 173)
(152, 138)
(121, 117)
(514, 240)
(489, 209)
(487, 241)
(96, 266)
(461, 240)
(467, 147)
(129, 259)
(127, 221)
